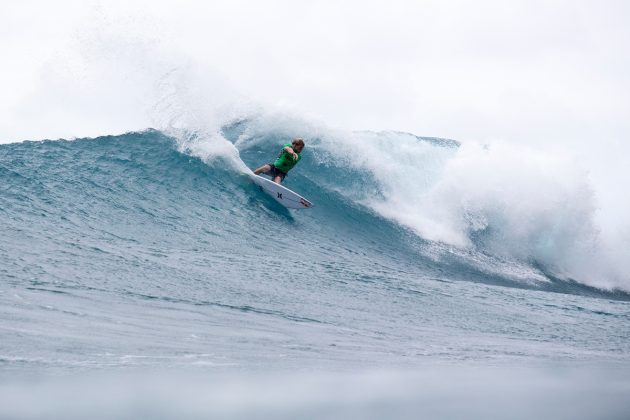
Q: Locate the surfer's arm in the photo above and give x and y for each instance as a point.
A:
(290, 151)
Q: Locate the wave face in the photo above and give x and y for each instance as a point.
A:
(96, 204)
(146, 249)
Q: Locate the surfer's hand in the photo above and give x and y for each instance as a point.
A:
(295, 156)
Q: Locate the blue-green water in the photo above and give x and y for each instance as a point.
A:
(138, 252)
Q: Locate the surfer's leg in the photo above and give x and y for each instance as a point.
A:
(263, 169)
(278, 176)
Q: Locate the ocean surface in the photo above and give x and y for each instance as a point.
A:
(144, 276)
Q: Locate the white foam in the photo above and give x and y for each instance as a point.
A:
(519, 203)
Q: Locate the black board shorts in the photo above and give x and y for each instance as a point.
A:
(274, 172)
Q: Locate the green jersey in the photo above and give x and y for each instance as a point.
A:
(285, 160)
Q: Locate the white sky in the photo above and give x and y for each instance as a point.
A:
(533, 71)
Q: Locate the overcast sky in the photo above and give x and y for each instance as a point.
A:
(532, 71)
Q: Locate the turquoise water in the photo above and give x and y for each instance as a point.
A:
(137, 253)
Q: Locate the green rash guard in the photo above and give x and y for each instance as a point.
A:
(285, 160)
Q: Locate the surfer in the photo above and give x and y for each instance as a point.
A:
(289, 157)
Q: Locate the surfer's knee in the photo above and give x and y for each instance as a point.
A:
(263, 169)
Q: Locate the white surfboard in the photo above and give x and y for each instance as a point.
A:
(282, 195)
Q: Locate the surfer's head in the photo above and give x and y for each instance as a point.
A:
(298, 144)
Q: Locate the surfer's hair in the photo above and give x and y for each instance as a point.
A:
(298, 141)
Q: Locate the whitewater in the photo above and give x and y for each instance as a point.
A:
(428, 268)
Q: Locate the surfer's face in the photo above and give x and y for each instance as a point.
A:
(298, 148)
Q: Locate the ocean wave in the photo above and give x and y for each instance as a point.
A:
(430, 207)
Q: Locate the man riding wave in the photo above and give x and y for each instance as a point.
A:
(289, 157)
